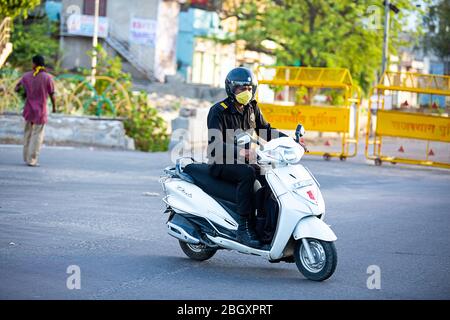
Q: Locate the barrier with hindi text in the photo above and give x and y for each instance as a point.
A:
(291, 109)
(425, 122)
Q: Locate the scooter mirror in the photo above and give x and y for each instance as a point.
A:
(299, 132)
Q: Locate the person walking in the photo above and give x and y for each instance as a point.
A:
(38, 85)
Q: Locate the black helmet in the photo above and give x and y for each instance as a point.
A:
(240, 77)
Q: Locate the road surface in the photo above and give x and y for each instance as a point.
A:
(101, 211)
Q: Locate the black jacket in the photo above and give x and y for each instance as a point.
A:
(225, 121)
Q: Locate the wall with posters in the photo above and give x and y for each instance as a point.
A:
(146, 28)
(83, 25)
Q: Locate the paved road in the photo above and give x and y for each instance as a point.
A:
(98, 210)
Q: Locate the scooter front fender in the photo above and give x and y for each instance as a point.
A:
(313, 227)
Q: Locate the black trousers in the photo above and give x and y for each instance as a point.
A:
(244, 176)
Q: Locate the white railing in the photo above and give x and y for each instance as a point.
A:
(119, 41)
(5, 44)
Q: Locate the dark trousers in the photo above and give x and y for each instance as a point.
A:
(244, 176)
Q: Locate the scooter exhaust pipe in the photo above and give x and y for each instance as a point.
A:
(181, 234)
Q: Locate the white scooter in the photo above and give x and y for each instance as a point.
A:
(204, 223)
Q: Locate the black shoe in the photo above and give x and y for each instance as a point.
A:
(251, 229)
(245, 235)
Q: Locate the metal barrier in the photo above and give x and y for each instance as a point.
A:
(404, 123)
(315, 117)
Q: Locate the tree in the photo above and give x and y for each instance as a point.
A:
(31, 37)
(320, 33)
(15, 8)
(438, 37)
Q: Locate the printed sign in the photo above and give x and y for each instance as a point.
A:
(325, 119)
(143, 31)
(411, 125)
(83, 25)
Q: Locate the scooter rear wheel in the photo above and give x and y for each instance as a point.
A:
(198, 252)
(325, 257)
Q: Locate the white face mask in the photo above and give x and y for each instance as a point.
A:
(244, 97)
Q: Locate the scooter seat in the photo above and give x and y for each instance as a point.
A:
(214, 187)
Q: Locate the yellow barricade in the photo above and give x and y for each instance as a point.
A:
(331, 118)
(408, 124)
(324, 119)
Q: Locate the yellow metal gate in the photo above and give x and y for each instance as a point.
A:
(414, 120)
(339, 116)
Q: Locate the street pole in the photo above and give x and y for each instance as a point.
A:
(385, 37)
(95, 42)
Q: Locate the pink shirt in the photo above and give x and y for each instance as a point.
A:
(37, 89)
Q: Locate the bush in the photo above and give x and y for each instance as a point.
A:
(142, 123)
(145, 126)
(9, 99)
(31, 37)
(116, 99)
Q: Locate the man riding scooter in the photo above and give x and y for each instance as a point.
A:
(228, 161)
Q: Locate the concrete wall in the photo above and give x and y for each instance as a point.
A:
(75, 52)
(120, 14)
(74, 48)
(194, 91)
(166, 40)
(70, 130)
(189, 130)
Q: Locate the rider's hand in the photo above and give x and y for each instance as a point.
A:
(304, 146)
(248, 154)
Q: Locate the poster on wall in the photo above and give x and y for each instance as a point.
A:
(83, 25)
(143, 31)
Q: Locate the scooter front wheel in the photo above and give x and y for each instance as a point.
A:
(325, 259)
(198, 252)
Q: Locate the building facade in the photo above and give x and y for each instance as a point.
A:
(201, 59)
(142, 32)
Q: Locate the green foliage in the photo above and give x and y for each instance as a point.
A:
(300, 95)
(33, 37)
(142, 121)
(145, 126)
(321, 33)
(15, 8)
(336, 97)
(438, 25)
(9, 99)
(108, 97)
(110, 67)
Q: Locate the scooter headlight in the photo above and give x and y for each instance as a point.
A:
(274, 154)
(292, 155)
(289, 155)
